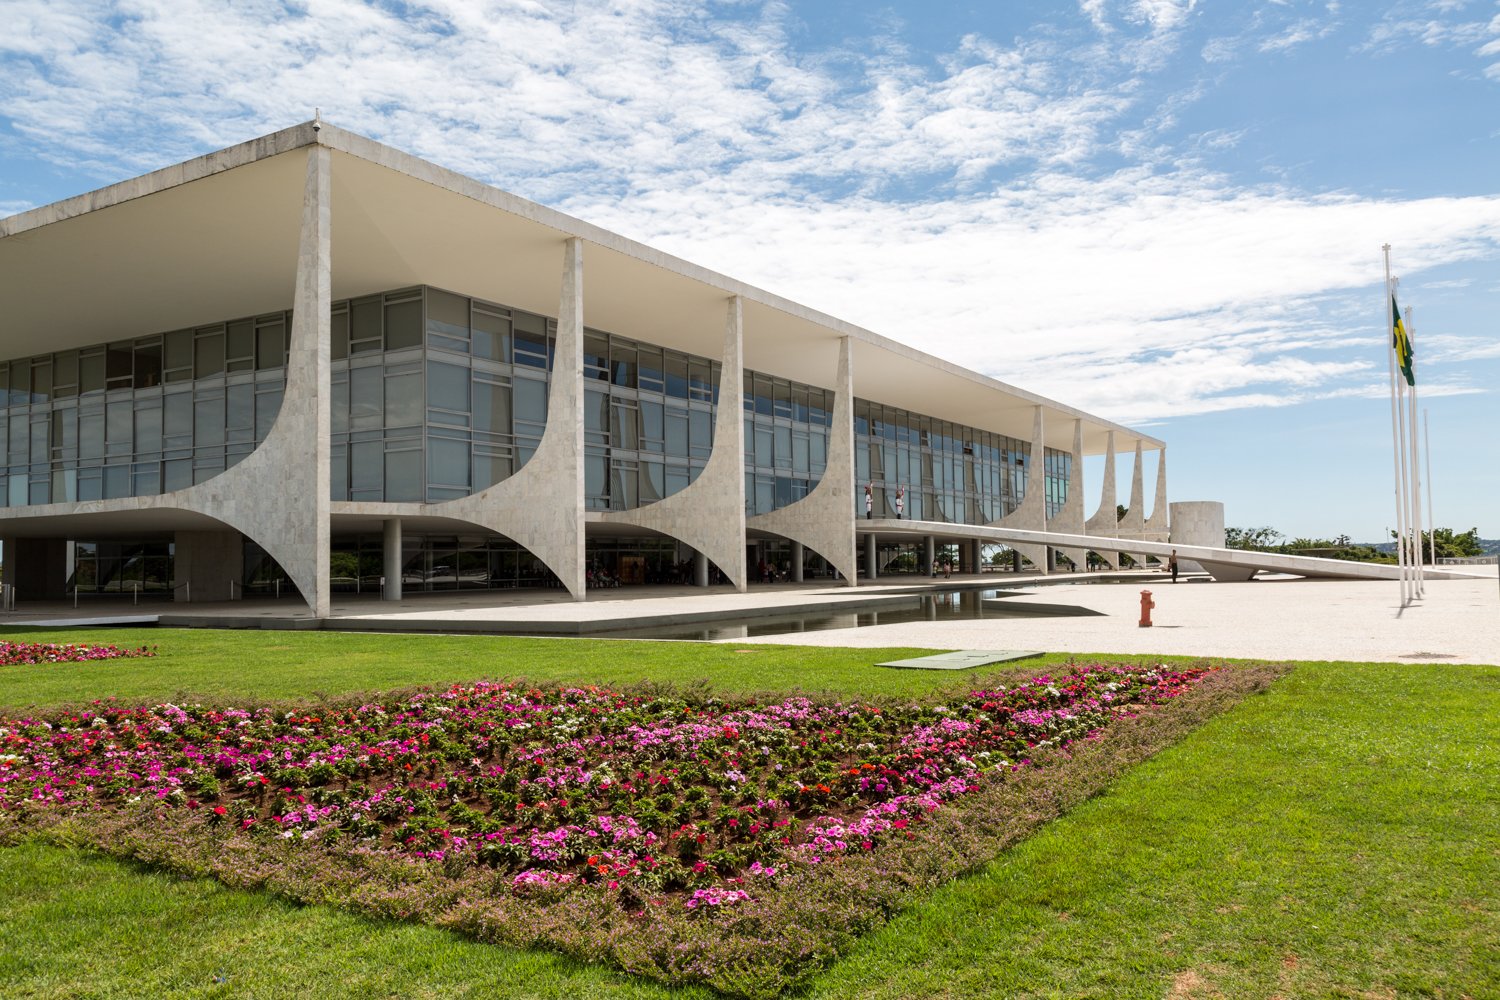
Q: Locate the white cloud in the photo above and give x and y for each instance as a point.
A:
(956, 203)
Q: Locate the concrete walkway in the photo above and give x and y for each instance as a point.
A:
(1276, 619)
(1267, 618)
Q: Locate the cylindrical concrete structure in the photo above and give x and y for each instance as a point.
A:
(1196, 522)
(700, 569)
(797, 556)
(870, 558)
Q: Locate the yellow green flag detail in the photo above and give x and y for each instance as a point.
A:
(1402, 343)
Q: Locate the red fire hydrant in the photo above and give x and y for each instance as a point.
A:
(1146, 605)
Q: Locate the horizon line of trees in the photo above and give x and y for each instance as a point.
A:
(1447, 543)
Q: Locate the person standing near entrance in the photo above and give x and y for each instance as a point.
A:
(900, 501)
(869, 501)
(1172, 565)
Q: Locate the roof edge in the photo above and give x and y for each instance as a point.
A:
(264, 147)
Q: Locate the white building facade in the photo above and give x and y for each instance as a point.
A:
(311, 363)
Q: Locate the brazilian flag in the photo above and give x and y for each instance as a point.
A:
(1401, 341)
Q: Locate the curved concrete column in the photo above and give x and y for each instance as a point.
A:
(824, 519)
(709, 514)
(290, 521)
(1157, 529)
(1134, 522)
(1069, 518)
(1106, 522)
(1031, 512)
(540, 507)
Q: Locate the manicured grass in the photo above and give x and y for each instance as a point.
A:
(1334, 837)
(214, 665)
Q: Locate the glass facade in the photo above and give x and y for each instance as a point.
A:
(436, 395)
(942, 471)
(786, 440)
(140, 417)
(648, 420)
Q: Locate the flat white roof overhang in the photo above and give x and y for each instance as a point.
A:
(216, 238)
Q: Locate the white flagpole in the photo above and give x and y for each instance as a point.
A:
(1390, 354)
(1431, 510)
(1416, 469)
(1403, 487)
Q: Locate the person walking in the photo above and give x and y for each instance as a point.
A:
(1172, 565)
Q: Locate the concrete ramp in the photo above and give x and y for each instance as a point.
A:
(1226, 565)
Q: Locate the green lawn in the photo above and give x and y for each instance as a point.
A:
(1332, 838)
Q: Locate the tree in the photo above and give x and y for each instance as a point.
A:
(1263, 539)
(1450, 545)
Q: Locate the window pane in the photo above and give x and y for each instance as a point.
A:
(120, 421)
(267, 405)
(677, 433)
(240, 407)
(531, 400)
(208, 355)
(208, 422)
(490, 469)
(239, 343)
(91, 372)
(491, 408)
(530, 333)
(339, 335)
(366, 398)
(366, 465)
(403, 476)
(491, 336)
(403, 325)
(447, 316)
(270, 346)
(447, 462)
(447, 386)
(403, 401)
(364, 326)
(148, 429)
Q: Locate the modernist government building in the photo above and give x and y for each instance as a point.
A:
(312, 363)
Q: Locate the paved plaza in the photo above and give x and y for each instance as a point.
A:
(1266, 618)
(1276, 618)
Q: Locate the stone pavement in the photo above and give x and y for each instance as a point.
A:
(1275, 619)
(1267, 618)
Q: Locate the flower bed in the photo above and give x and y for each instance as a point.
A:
(652, 798)
(19, 653)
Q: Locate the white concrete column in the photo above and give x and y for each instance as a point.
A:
(929, 553)
(278, 496)
(1106, 522)
(1031, 513)
(391, 544)
(709, 514)
(871, 569)
(979, 553)
(1134, 522)
(1157, 528)
(700, 569)
(824, 519)
(540, 507)
(1069, 518)
(798, 555)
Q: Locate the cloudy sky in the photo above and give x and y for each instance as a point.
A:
(1168, 212)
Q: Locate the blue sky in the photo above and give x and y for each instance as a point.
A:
(1167, 212)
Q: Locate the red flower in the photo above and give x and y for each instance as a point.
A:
(220, 810)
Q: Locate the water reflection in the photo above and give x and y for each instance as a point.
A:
(947, 605)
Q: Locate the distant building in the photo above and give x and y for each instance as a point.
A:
(311, 362)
